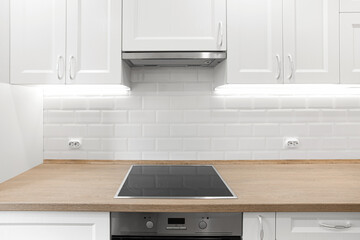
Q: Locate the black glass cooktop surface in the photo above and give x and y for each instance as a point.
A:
(164, 181)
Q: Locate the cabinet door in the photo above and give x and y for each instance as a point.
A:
(174, 25)
(93, 42)
(349, 5)
(37, 41)
(4, 41)
(254, 41)
(54, 225)
(315, 226)
(311, 41)
(350, 48)
(259, 226)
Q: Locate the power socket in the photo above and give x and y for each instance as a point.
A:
(291, 142)
(75, 143)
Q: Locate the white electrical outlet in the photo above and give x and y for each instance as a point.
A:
(75, 143)
(291, 142)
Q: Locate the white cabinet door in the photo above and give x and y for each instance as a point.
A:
(54, 226)
(350, 48)
(93, 42)
(4, 41)
(311, 41)
(254, 41)
(259, 226)
(316, 226)
(349, 5)
(37, 41)
(174, 25)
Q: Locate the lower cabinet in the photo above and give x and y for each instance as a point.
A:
(301, 226)
(259, 226)
(54, 226)
(317, 226)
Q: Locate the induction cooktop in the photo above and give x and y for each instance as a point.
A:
(170, 181)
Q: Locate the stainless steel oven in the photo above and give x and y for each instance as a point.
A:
(176, 226)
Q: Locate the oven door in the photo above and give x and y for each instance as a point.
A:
(176, 237)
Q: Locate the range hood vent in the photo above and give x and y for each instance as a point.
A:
(173, 59)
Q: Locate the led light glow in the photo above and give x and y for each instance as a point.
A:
(287, 89)
(65, 90)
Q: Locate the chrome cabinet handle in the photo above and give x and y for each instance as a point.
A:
(60, 59)
(261, 233)
(339, 227)
(221, 38)
(279, 67)
(291, 67)
(71, 60)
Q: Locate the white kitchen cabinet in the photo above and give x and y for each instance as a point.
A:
(254, 41)
(281, 41)
(174, 25)
(37, 41)
(4, 41)
(311, 41)
(316, 226)
(93, 51)
(350, 48)
(349, 6)
(54, 226)
(66, 41)
(259, 226)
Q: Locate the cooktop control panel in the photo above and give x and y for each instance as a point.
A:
(176, 223)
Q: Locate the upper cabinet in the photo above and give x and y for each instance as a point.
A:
(38, 41)
(349, 5)
(93, 50)
(59, 41)
(174, 25)
(276, 41)
(4, 41)
(254, 41)
(311, 41)
(350, 48)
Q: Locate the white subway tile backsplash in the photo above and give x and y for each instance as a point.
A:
(75, 103)
(113, 144)
(224, 144)
(101, 103)
(58, 116)
(174, 114)
(183, 130)
(141, 144)
(266, 130)
(156, 131)
(321, 102)
(170, 116)
(196, 144)
(100, 130)
(114, 116)
(142, 116)
(197, 116)
(88, 116)
(128, 130)
(169, 144)
(211, 130)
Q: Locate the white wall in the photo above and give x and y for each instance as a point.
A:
(21, 129)
(174, 114)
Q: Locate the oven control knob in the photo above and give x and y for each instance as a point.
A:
(149, 224)
(202, 225)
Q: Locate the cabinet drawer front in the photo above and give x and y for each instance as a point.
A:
(349, 6)
(55, 225)
(313, 226)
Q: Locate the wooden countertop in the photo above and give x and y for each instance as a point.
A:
(302, 187)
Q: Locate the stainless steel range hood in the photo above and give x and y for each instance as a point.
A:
(173, 59)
